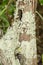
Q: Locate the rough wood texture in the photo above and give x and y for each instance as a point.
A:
(21, 49)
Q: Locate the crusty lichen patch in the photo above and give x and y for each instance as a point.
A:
(27, 37)
(20, 38)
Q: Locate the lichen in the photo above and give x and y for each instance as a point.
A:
(10, 40)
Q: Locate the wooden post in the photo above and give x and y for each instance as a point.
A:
(27, 31)
(18, 45)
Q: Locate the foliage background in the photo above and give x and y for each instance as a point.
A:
(7, 8)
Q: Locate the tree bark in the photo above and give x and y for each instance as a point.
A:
(18, 45)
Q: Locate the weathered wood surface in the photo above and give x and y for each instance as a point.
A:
(18, 45)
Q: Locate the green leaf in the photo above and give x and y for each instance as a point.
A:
(4, 23)
(11, 9)
(41, 2)
(5, 1)
(4, 20)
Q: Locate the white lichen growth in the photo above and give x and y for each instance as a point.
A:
(10, 40)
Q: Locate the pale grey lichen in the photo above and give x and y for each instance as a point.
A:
(10, 40)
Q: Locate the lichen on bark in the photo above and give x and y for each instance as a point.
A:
(18, 45)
